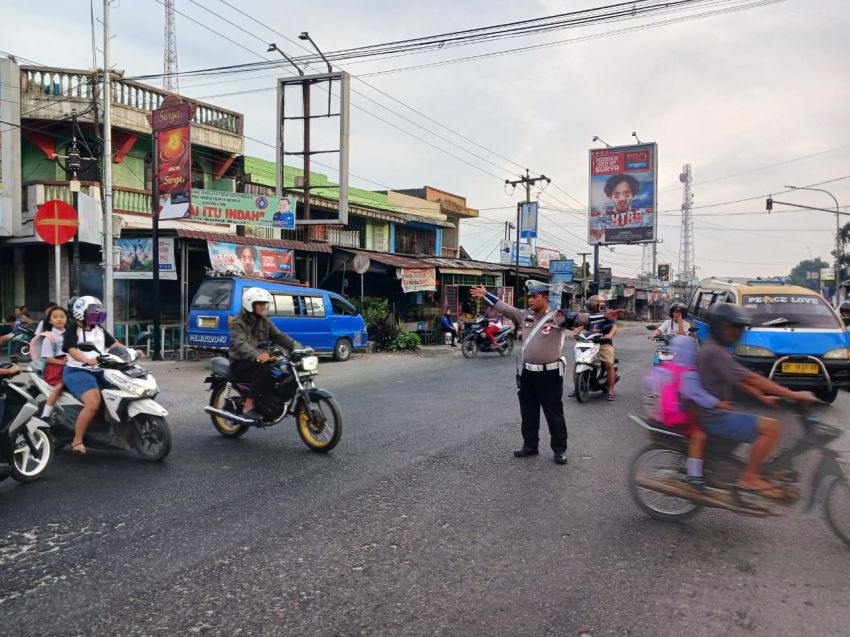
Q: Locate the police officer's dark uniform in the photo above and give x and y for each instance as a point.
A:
(541, 379)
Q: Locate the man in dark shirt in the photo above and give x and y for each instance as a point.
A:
(721, 374)
(601, 324)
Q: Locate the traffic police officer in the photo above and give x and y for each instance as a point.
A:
(541, 380)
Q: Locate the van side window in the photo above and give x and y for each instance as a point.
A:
(313, 306)
(694, 304)
(284, 305)
(705, 302)
(342, 307)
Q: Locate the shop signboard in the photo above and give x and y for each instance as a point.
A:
(562, 276)
(528, 220)
(604, 278)
(417, 279)
(664, 272)
(507, 253)
(249, 260)
(172, 163)
(260, 211)
(135, 260)
(623, 187)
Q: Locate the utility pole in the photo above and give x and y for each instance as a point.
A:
(528, 181)
(107, 173)
(584, 256)
(74, 163)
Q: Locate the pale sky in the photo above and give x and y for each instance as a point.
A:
(733, 95)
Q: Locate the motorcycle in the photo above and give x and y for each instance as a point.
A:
(26, 448)
(663, 350)
(475, 340)
(19, 345)
(590, 373)
(657, 477)
(129, 417)
(317, 414)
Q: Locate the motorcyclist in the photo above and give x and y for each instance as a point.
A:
(78, 377)
(721, 374)
(490, 330)
(600, 323)
(676, 325)
(250, 333)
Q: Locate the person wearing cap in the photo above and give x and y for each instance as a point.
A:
(541, 382)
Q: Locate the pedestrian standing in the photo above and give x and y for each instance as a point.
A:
(540, 381)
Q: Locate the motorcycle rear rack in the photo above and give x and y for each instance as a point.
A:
(645, 425)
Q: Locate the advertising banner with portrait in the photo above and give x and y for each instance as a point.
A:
(250, 260)
(135, 260)
(261, 211)
(623, 191)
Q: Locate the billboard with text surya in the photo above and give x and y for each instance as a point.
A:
(623, 187)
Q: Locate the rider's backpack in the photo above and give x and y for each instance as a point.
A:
(661, 391)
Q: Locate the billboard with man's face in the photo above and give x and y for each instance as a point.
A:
(623, 207)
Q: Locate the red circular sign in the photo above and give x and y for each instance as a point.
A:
(56, 222)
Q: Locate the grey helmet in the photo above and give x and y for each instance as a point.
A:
(721, 314)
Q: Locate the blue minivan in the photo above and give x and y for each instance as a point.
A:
(797, 339)
(315, 318)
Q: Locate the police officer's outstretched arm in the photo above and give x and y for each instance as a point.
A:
(497, 305)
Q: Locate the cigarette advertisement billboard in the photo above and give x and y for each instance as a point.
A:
(623, 188)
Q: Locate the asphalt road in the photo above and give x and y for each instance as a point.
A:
(420, 522)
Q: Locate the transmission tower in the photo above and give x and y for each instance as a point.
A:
(169, 59)
(687, 271)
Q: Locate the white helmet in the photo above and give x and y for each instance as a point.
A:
(89, 309)
(255, 295)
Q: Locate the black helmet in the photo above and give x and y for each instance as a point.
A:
(844, 308)
(679, 307)
(726, 314)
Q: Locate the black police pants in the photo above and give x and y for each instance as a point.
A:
(546, 390)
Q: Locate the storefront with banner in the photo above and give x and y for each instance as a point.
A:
(186, 258)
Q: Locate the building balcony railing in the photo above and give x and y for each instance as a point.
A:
(451, 253)
(123, 199)
(334, 236)
(53, 92)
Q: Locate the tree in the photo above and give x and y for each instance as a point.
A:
(798, 274)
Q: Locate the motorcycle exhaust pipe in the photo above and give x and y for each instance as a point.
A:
(227, 415)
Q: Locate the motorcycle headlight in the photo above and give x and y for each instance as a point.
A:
(753, 350)
(841, 353)
(309, 363)
(666, 357)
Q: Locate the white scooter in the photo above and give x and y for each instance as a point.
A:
(129, 417)
(590, 373)
(26, 448)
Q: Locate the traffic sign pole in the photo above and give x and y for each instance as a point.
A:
(57, 254)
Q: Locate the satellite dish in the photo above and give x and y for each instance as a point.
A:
(360, 263)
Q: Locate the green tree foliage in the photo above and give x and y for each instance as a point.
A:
(798, 273)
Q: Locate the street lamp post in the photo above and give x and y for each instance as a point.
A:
(837, 281)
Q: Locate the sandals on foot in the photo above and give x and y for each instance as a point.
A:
(764, 492)
(79, 448)
(611, 398)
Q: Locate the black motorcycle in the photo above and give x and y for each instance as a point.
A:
(475, 340)
(18, 346)
(317, 414)
(657, 477)
(26, 447)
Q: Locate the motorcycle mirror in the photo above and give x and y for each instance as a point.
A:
(651, 328)
(693, 330)
(144, 337)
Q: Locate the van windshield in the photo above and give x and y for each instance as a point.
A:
(214, 294)
(791, 310)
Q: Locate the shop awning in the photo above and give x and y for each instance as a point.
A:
(300, 246)
(461, 271)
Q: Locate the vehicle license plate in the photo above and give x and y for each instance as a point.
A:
(800, 368)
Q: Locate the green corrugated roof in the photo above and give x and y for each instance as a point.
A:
(262, 171)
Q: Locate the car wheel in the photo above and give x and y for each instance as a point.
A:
(342, 350)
